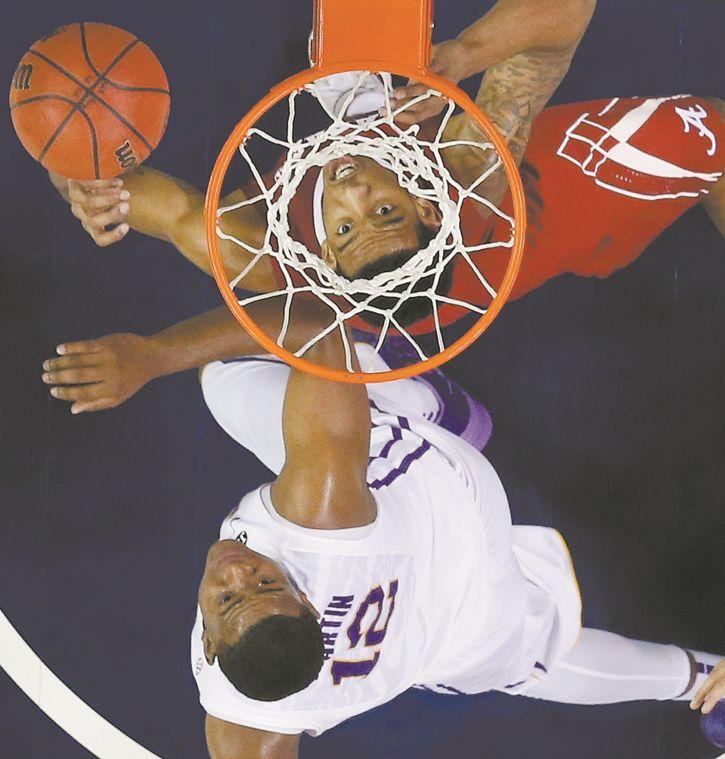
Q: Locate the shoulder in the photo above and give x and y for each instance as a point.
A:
(226, 740)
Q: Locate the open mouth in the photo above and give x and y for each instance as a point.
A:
(341, 168)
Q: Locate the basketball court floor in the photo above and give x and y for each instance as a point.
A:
(607, 399)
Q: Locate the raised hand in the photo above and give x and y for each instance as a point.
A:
(451, 61)
(100, 374)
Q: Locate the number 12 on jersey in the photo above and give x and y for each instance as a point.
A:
(372, 637)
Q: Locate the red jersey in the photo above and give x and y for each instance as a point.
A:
(602, 180)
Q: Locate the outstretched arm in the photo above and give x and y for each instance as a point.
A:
(169, 209)
(510, 28)
(326, 424)
(525, 48)
(103, 373)
(512, 94)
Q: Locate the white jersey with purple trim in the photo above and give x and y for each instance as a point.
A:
(439, 592)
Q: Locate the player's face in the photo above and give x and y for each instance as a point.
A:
(367, 214)
(240, 588)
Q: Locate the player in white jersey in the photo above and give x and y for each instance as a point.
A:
(381, 557)
(431, 593)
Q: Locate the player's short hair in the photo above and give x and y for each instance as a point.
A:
(412, 309)
(276, 657)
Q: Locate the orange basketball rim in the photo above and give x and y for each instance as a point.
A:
(349, 36)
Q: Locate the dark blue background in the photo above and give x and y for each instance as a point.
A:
(607, 399)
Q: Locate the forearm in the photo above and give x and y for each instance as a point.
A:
(512, 94)
(515, 91)
(169, 209)
(515, 26)
(160, 203)
(526, 47)
(217, 335)
(146, 200)
(172, 210)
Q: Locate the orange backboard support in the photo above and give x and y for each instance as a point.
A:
(393, 32)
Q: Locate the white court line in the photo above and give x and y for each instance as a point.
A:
(59, 702)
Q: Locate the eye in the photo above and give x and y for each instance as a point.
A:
(385, 209)
(224, 598)
(266, 581)
(344, 229)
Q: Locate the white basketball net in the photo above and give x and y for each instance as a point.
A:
(420, 169)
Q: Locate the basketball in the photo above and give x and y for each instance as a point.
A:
(89, 101)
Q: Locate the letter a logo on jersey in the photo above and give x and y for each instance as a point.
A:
(634, 147)
(692, 117)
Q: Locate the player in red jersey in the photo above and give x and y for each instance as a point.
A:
(602, 180)
(525, 47)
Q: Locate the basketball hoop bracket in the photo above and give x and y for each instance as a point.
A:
(393, 33)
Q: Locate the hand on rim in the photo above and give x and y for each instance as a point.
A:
(449, 61)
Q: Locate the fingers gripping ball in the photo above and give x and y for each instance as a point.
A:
(713, 724)
(89, 101)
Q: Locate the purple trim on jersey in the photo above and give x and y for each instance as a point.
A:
(343, 669)
(453, 407)
(704, 669)
(539, 665)
(397, 435)
(513, 685)
(402, 468)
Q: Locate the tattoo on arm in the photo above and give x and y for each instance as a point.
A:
(512, 94)
(515, 91)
